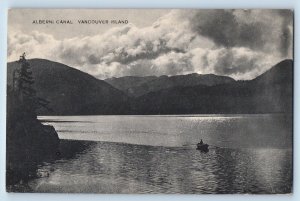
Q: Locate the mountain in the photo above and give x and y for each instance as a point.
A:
(138, 86)
(271, 92)
(278, 74)
(70, 91)
(128, 84)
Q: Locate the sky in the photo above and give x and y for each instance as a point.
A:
(241, 44)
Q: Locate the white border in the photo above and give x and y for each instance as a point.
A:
(5, 4)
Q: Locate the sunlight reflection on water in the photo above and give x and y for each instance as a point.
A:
(156, 154)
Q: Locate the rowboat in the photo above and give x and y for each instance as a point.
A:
(202, 147)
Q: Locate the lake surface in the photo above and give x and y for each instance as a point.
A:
(156, 154)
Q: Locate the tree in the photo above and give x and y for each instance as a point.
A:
(23, 82)
(29, 142)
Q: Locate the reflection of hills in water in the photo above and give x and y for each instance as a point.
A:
(105, 167)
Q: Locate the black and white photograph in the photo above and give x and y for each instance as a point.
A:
(150, 101)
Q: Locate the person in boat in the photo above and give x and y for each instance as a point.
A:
(201, 142)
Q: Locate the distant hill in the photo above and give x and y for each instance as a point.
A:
(271, 92)
(70, 91)
(279, 74)
(138, 86)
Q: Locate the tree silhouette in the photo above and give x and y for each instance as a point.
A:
(29, 142)
(23, 82)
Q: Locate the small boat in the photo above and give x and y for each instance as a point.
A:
(203, 147)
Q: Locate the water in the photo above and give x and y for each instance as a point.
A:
(156, 154)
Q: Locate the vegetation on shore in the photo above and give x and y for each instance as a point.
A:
(28, 141)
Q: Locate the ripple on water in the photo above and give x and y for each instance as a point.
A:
(105, 167)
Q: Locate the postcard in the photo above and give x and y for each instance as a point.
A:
(150, 101)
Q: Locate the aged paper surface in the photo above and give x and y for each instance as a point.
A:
(150, 101)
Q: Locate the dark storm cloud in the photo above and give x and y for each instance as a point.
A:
(224, 29)
(285, 41)
(228, 29)
(286, 36)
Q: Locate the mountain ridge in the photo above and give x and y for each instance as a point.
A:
(134, 87)
(73, 92)
(261, 95)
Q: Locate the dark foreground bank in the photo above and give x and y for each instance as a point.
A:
(29, 142)
(22, 172)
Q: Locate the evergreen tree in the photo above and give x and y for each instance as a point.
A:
(23, 82)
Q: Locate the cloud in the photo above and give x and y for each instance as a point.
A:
(174, 63)
(237, 43)
(142, 50)
(267, 30)
(37, 44)
(237, 62)
(286, 32)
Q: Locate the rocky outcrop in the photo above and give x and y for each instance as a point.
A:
(29, 142)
